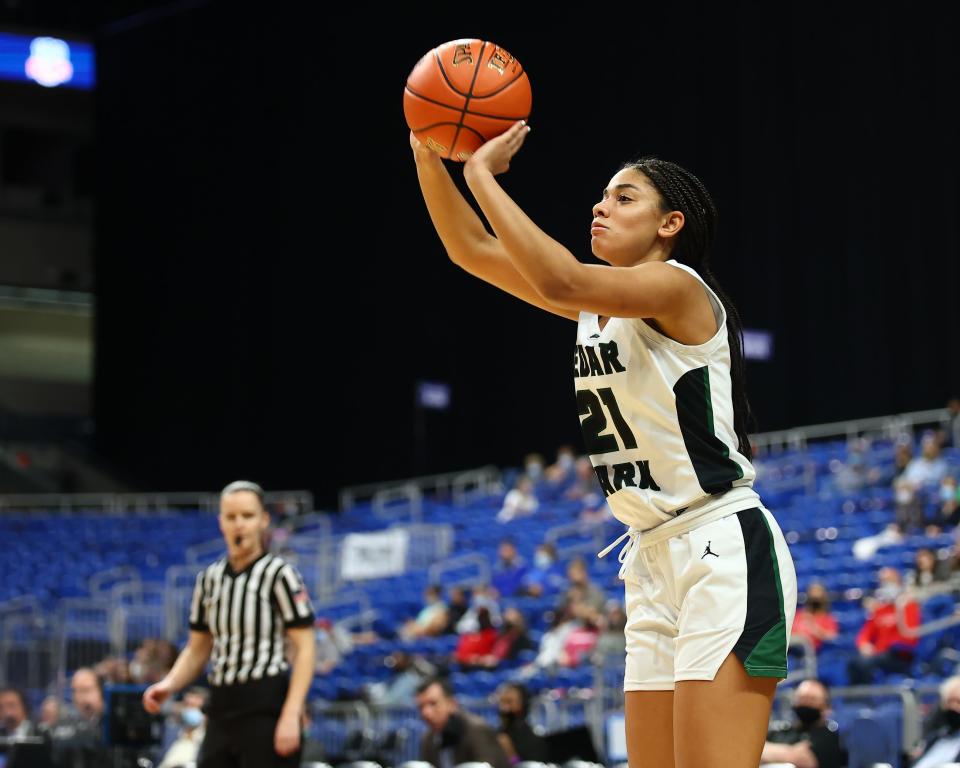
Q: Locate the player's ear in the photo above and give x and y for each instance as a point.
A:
(671, 224)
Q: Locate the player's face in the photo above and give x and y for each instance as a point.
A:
(435, 707)
(242, 523)
(631, 216)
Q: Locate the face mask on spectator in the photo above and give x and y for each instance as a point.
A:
(952, 718)
(191, 717)
(888, 593)
(807, 715)
(542, 559)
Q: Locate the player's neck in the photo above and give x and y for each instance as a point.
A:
(241, 561)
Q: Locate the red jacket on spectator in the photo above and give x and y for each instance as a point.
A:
(473, 645)
(880, 629)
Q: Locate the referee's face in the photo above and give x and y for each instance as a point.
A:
(242, 522)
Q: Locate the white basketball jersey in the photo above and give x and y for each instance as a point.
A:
(657, 419)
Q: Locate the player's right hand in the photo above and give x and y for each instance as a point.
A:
(420, 150)
(155, 695)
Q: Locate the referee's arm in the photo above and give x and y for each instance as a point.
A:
(188, 666)
(303, 644)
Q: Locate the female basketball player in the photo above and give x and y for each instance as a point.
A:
(658, 369)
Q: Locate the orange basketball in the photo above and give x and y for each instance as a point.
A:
(463, 93)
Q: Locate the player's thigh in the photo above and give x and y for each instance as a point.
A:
(649, 724)
(723, 721)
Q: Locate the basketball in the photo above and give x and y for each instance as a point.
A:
(463, 93)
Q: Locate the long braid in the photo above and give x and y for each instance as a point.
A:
(682, 191)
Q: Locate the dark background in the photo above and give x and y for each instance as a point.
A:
(270, 288)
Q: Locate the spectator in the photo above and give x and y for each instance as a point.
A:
(186, 747)
(459, 604)
(78, 738)
(533, 467)
(951, 425)
(612, 641)
(408, 673)
(14, 720)
(113, 670)
(949, 502)
(561, 471)
(926, 571)
(473, 646)
(483, 597)
(941, 741)
(880, 643)
(813, 619)
(589, 600)
(520, 501)
(579, 642)
(432, 619)
(333, 643)
(922, 475)
(811, 741)
(516, 736)
(550, 652)
(454, 736)
(546, 576)
(511, 639)
(49, 714)
(509, 570)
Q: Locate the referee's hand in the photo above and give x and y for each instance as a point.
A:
(155, 695)
(286, 738)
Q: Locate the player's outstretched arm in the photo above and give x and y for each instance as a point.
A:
(188, 666)
(651, 289)
(464, 236)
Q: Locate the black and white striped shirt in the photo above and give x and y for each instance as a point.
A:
(247, 613)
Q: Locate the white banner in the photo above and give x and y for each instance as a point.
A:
(374, 555)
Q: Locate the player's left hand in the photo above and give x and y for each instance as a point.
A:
(495, 154)
(286, 738)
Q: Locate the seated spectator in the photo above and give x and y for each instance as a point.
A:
(520, 501)
(14, 720)
(432, 619)
(927, 570)
(477, 645)
(186, 747)
(922, 475)
(516, 736)
(588, 598)
(813, 619)
(880, 643)
(49, 714)
(579, 642)
(561, 471)
(533, 467)
(550, 652)
(509, 570)
(78, 738)
(949, 503)
(453, 736)
(941, 738)
(811, 741)
(484, 596)
(408, 673)
(853, 474)
(457, 605)
(113, 670)
(546, 576)
(511, 639)
(333, 643)
(865, 548)
(585, 486)
(612, 641)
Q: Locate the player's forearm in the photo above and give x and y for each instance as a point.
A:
(187, 667)
(300, 678)
(544, 262)
(460, 228)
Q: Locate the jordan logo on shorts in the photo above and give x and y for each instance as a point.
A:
(709, 552)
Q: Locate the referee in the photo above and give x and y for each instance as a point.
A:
(243, 607)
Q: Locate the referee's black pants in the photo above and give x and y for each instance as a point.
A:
(243, 742)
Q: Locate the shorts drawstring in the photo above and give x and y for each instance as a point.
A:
(629, 552)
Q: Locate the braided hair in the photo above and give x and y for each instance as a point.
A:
(681, 191)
